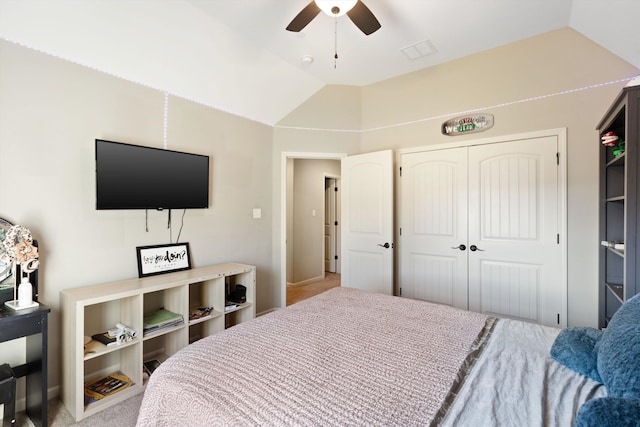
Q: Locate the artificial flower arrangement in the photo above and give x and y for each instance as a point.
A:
(19, 249)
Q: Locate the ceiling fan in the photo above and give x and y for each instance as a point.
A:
(357, 11)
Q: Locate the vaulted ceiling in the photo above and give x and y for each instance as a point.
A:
(420, 33)
(236, 54)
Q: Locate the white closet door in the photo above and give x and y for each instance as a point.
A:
(513, 221)
(433, 265)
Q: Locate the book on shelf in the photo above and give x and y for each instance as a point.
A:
(160, 320)
(160, 317)
(157, 331)
(105, 338)
(229, 306)
(200, 312)
(150, 365)
(614, 244)
(105, 386)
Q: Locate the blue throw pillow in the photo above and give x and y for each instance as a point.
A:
(577, 349)
(619, 352)
(609, 412)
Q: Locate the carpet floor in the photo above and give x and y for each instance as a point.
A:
(125, 414)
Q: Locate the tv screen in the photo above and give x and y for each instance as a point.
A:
(135, 177)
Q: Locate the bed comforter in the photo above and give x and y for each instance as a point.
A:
(354, 358)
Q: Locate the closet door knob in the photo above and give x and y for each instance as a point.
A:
(461, 247)
(386, 245)
(474, 248)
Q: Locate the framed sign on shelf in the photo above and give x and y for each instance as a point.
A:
(161, 259)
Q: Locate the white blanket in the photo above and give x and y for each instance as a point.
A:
(516, 383)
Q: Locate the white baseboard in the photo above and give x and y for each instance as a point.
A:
(305, 282)
(262, 313)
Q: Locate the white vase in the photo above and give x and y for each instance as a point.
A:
(25, 290)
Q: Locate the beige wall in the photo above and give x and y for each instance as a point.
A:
(52, 110)
(309, 132)
(513, 83)
(50, 113)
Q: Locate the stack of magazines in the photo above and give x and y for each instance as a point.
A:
(105, 386)
(159, 321)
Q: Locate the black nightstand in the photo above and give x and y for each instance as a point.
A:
(32, 324)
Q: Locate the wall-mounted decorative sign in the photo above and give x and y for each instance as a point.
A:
(160, 259)
(467, 124)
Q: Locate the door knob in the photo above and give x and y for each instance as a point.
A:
(460, 246)
(474, 248)
(386, 245)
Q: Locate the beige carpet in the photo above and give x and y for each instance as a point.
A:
(124, 414)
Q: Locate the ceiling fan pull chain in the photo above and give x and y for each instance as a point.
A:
(335, 33)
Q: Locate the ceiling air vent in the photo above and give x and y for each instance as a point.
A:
(419, 49)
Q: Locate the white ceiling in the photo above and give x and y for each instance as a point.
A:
(455, 28)
(236, 56)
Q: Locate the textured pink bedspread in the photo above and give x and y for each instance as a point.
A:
(343, 358)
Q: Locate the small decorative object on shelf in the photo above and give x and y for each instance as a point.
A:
(611, 139)
(25, 290)
(239, 294)
(125, 330)
(200, 313)
(119, 335)
(162, 259)
(18, 248)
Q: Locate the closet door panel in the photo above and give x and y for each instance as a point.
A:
(510, 289)
(434, 225)
(513, 221)
(433, 278)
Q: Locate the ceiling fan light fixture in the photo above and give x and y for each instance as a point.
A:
(336, 7)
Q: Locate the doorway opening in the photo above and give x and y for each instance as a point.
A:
(305, 220)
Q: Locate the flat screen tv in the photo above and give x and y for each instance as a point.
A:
(136, 177)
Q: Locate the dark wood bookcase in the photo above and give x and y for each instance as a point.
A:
(619, 210)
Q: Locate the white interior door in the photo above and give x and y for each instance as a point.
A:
(367, 221)
(516, 270)
(433, 257)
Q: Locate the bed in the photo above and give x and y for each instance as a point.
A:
(354, 358)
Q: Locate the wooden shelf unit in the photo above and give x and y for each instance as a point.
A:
(619, 205)
(93, 309)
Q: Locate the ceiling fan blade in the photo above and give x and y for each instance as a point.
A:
(364, 18)
(303, 18)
